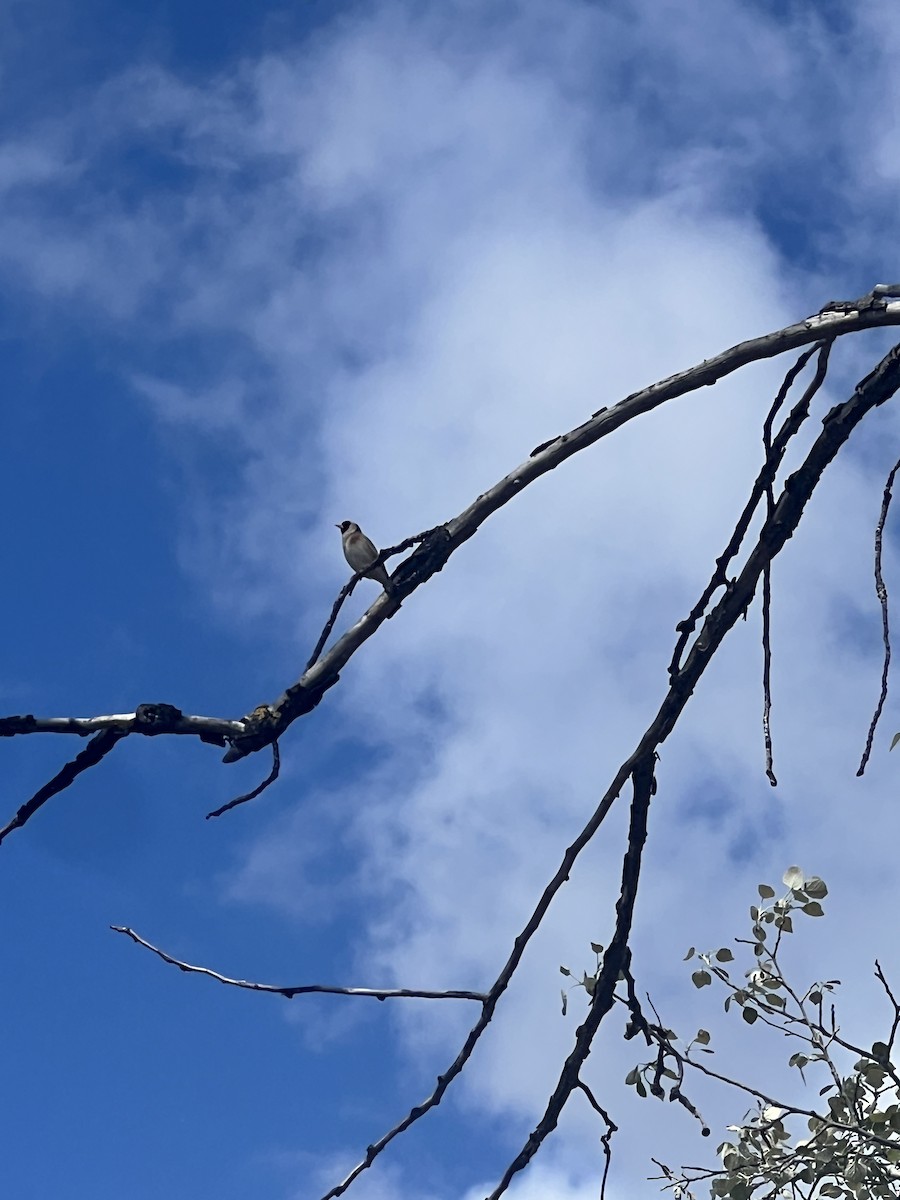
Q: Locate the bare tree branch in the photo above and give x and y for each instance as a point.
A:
(149, 719)
(762, 486)
(96, 749)
(250, 733)
(767, 672)
(304, 989)
(606, 1138)
(890, 995)
(837, 427)
(616, 960)
(881, 593)
(269, 779)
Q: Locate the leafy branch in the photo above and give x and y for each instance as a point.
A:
(848, 1148)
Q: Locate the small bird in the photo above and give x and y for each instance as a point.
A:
(361, 553)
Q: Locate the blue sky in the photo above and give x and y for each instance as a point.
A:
(264, 270)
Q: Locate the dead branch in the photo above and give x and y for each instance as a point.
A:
(761, 486)
(304, 989)
(881, 593)
(96, 749)
(257, 791)
(348, 587)
(837, 427)
(616, 959)
(606, 1137)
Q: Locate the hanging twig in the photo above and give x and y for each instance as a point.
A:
(767, 672)
(606, 1138)
(881, 593)
(270, 778)
(816, 382)
(763, 481)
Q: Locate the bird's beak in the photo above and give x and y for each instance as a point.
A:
(337, 526)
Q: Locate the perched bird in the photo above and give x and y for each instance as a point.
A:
(361, 553)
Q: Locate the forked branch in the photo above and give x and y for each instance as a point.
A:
(267, 722)
(777, 529)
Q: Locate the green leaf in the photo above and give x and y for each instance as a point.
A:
(881, 1052)
(793, 878)
(815, 888)
(702, 1037)
(765, 892)
(690, 954)
(749, 1014)
(701, 979)
(633, 1076)
(724, 955)
(814, 909)
(564, 971)
(565, 1000)
(894, 740)
(596, 947)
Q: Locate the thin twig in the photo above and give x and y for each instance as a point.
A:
(764, 480)
(306, 988)
(329, 624)
(890, 995)
(881, 593)
(96, 749)
(348, 587)
(771, 1102)
(673, 1180)
(659, 1034)
(606, 1138)
(270, 778)
(767, 672)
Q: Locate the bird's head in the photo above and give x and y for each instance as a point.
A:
(348, 527)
